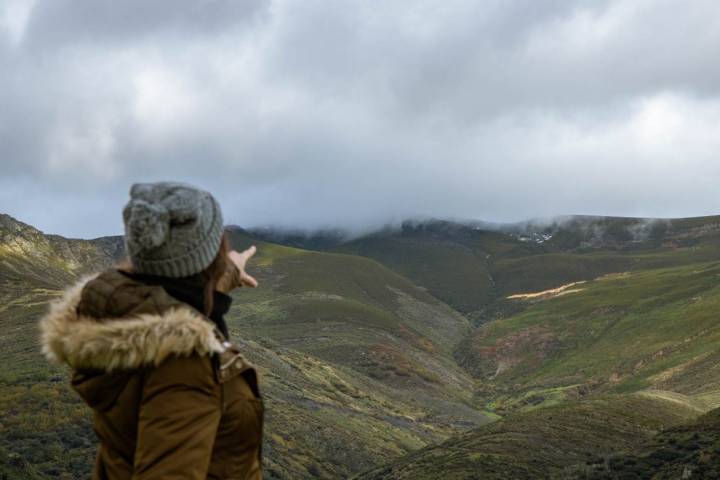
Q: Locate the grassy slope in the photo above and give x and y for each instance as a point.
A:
(655, 328)
(453, 262)
(584, 248)
(13, 466)
(30, 258)
(692, 450)
(651, 329)
(452, 272)
(379, 348)
(473, 270)
(353, 311)
(542, 272)
(354, 354)
(351, 355)
(45, 431)
(541, 443)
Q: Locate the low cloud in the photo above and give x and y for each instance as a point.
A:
(321, 114)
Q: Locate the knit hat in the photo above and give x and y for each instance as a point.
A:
(171, 229)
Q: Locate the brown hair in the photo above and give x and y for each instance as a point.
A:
(212, 274)
(208, 278)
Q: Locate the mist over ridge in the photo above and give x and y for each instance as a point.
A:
(314, 115)
(595, 229)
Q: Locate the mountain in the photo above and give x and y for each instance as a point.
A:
(645, 340)
(452, 261)
(375, 352)
(570, 309)
(29, 256)
(620, 332)
(474, 266)
(350, 353)
(555, 348)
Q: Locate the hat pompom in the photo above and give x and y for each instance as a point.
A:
(148, 224)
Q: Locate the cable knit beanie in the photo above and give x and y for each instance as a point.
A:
(171, 229)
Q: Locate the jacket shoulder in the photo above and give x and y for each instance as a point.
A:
(112, 294)
(143, 336)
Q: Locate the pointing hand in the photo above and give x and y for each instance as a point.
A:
(240, 259)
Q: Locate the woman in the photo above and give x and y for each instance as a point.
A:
(172, 397)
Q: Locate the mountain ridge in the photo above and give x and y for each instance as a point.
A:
(349, 352)
(407, 343)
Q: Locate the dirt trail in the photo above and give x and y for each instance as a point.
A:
(553, 292)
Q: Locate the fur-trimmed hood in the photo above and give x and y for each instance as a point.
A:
(143, 339)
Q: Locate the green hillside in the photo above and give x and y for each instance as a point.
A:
(543, 443)
(29, 257)
(624, 332)
(453, 262)
(590, 339)
(13, 466)
(375, 353)
(353, 311)
(473, 269)
(641, 319)
(349, 352)
(685, 451)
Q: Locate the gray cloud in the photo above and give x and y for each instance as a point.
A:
(319, 114)
(69, 22)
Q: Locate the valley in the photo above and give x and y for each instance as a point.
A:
(557, 348)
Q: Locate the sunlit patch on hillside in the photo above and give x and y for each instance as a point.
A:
(553, 292)
(699, 404)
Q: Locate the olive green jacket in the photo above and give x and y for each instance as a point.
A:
(171, 398)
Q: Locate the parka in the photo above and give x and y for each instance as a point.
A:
(171, 397)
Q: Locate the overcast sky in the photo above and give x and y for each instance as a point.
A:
(306, 113)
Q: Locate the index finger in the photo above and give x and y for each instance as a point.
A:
(246, 254)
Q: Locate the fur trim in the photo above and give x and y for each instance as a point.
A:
(126, 343)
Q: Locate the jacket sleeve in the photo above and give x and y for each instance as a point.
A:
(178, 419)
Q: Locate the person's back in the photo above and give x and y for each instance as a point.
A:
(171, 396)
